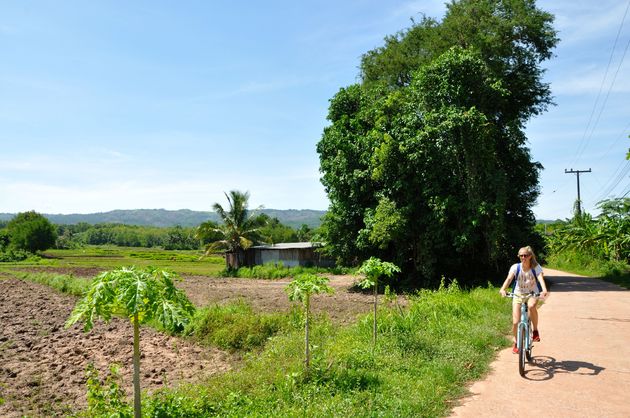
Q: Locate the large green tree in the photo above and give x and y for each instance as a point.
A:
(425, 161)
(31, 231)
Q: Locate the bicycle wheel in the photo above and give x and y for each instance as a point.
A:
(530, 342)
(521, 352)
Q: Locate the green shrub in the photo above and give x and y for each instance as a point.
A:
(14, 255)
(106, 399)
(235, 326)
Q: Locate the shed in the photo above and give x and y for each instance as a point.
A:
(290, 254)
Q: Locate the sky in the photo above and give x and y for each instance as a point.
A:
(154, 104)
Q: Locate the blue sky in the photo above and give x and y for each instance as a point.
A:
(154, 104)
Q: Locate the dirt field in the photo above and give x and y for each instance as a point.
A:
(42, 365)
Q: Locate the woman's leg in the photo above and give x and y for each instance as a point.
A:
(516, 318)
(533, 312)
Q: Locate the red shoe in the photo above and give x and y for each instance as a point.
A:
(536, 336)
(515, 349)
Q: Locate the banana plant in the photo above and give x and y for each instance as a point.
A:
(140, 295)
(373, 268)
(300, 289)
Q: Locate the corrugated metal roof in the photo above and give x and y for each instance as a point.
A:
(288, 245)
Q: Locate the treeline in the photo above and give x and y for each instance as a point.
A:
(169, 238)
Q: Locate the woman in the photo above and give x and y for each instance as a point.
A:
(529, 272)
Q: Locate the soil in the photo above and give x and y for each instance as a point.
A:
(42, 365)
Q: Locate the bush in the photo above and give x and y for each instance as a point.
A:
(31, 232)
(13, 255)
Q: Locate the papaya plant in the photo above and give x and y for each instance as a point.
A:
(300, 289)
(141, 295)
(373, 268)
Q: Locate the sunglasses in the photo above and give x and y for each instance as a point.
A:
(523, 255)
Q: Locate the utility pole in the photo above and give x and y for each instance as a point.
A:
(577, 172)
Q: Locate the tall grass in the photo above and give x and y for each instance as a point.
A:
(65, 283)
(270, 271)
(235, 326)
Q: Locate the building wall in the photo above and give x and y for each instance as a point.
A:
(289, 257)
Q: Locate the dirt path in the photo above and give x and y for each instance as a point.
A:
(582, 364)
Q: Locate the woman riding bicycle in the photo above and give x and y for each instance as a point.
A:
(529, 274)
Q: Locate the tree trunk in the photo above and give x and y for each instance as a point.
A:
(136, 368)
(307, 353)
(375, 302)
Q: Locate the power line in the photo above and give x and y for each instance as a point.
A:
(585, 138)
(618, 176)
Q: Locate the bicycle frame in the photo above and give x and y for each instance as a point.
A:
(524, 339)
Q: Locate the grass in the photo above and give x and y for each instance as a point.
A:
(424, 356)
(270, 271)
(575, 262)
(65, 283)
(235, 326)
(111, 257)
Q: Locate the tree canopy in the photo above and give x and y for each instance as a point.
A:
(240, 227)
(31, 231)
(425, 161)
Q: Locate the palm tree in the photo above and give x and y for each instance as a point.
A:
(240, 228)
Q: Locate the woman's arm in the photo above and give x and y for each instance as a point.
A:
(543, 285)
(506, 283)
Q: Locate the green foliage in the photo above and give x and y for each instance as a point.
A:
(141, 295)
(605, 238)
(307, 284)
(173, 238)
(434, 346)
(422, 175)
(234, 326)
(240, 228)
(300, 289)
(30, 231)
(148, 294)
(65, 283)
(12, 255)
(373, 268)
(106, 399)
(270, 271)
(421, 158)
(594, 246)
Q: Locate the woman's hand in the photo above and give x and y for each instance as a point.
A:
(503, 293)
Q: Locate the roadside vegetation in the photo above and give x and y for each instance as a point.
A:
(419, 367)
(598, 247)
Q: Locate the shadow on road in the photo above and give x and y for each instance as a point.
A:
(545, 368)
(579, 284)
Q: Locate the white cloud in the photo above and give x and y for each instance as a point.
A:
(580, 21)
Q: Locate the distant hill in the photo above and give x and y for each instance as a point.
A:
(184, 217)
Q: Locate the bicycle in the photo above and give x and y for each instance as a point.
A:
(524, 334)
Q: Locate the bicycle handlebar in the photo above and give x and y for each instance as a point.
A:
(515, 295)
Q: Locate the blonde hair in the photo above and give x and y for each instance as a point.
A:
(533, 263)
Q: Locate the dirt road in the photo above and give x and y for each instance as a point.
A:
(581, 366)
